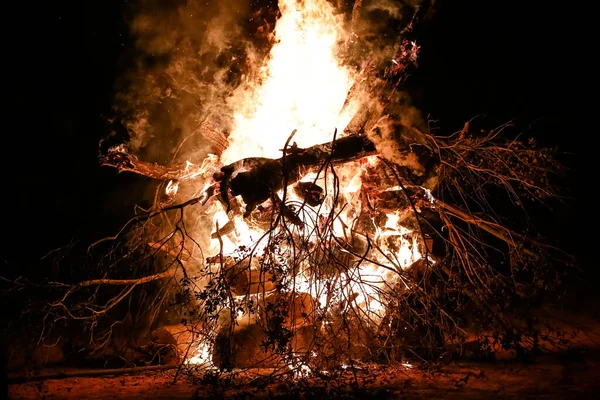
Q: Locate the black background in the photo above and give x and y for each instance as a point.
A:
(501, 58)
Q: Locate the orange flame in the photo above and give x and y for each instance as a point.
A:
(304, 86)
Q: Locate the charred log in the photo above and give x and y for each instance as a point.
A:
(310, 192)
(256, 180)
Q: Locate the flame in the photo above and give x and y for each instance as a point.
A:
(303, 85)
(172, 188)
(201, 356)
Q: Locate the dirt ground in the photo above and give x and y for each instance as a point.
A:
(572, 374)
(577, 377)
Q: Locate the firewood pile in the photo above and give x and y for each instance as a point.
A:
(318, 289)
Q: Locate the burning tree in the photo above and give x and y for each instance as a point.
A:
(323, 223)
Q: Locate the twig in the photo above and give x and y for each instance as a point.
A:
(486, 226)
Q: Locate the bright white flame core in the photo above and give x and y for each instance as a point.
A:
(202, 355)
(302, 86)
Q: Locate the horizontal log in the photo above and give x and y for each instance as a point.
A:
(126, 162)
(257, 180)
(342, 150)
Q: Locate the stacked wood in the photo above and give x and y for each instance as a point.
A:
(246, 280)
(294, 312)
(242, 348)
(247, 345)
(250, 186)
(245, 276)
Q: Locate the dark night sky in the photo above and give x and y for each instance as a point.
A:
(493, 57)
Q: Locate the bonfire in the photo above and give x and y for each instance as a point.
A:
(310, 219)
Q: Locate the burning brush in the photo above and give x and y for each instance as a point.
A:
(336, 245)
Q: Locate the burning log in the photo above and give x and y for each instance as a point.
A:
(342, 150)
(228, 228)
(243, 348)
(250, 281)
(179, 339)
(310, 192)
(256, 180)
(249, 346)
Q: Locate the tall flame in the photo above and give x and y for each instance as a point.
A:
(302, 86)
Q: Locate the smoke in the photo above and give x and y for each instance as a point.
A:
(402, 124)
(393, 9)
(383, 24)
(188, 58)
(385, 40)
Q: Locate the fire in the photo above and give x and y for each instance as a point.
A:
(172, 188)
(304, 86)
(201, 356)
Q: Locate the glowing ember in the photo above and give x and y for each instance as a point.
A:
(299, 370)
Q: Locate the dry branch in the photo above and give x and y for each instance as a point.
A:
(125, 162)
(118, 282)
(507, 237)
